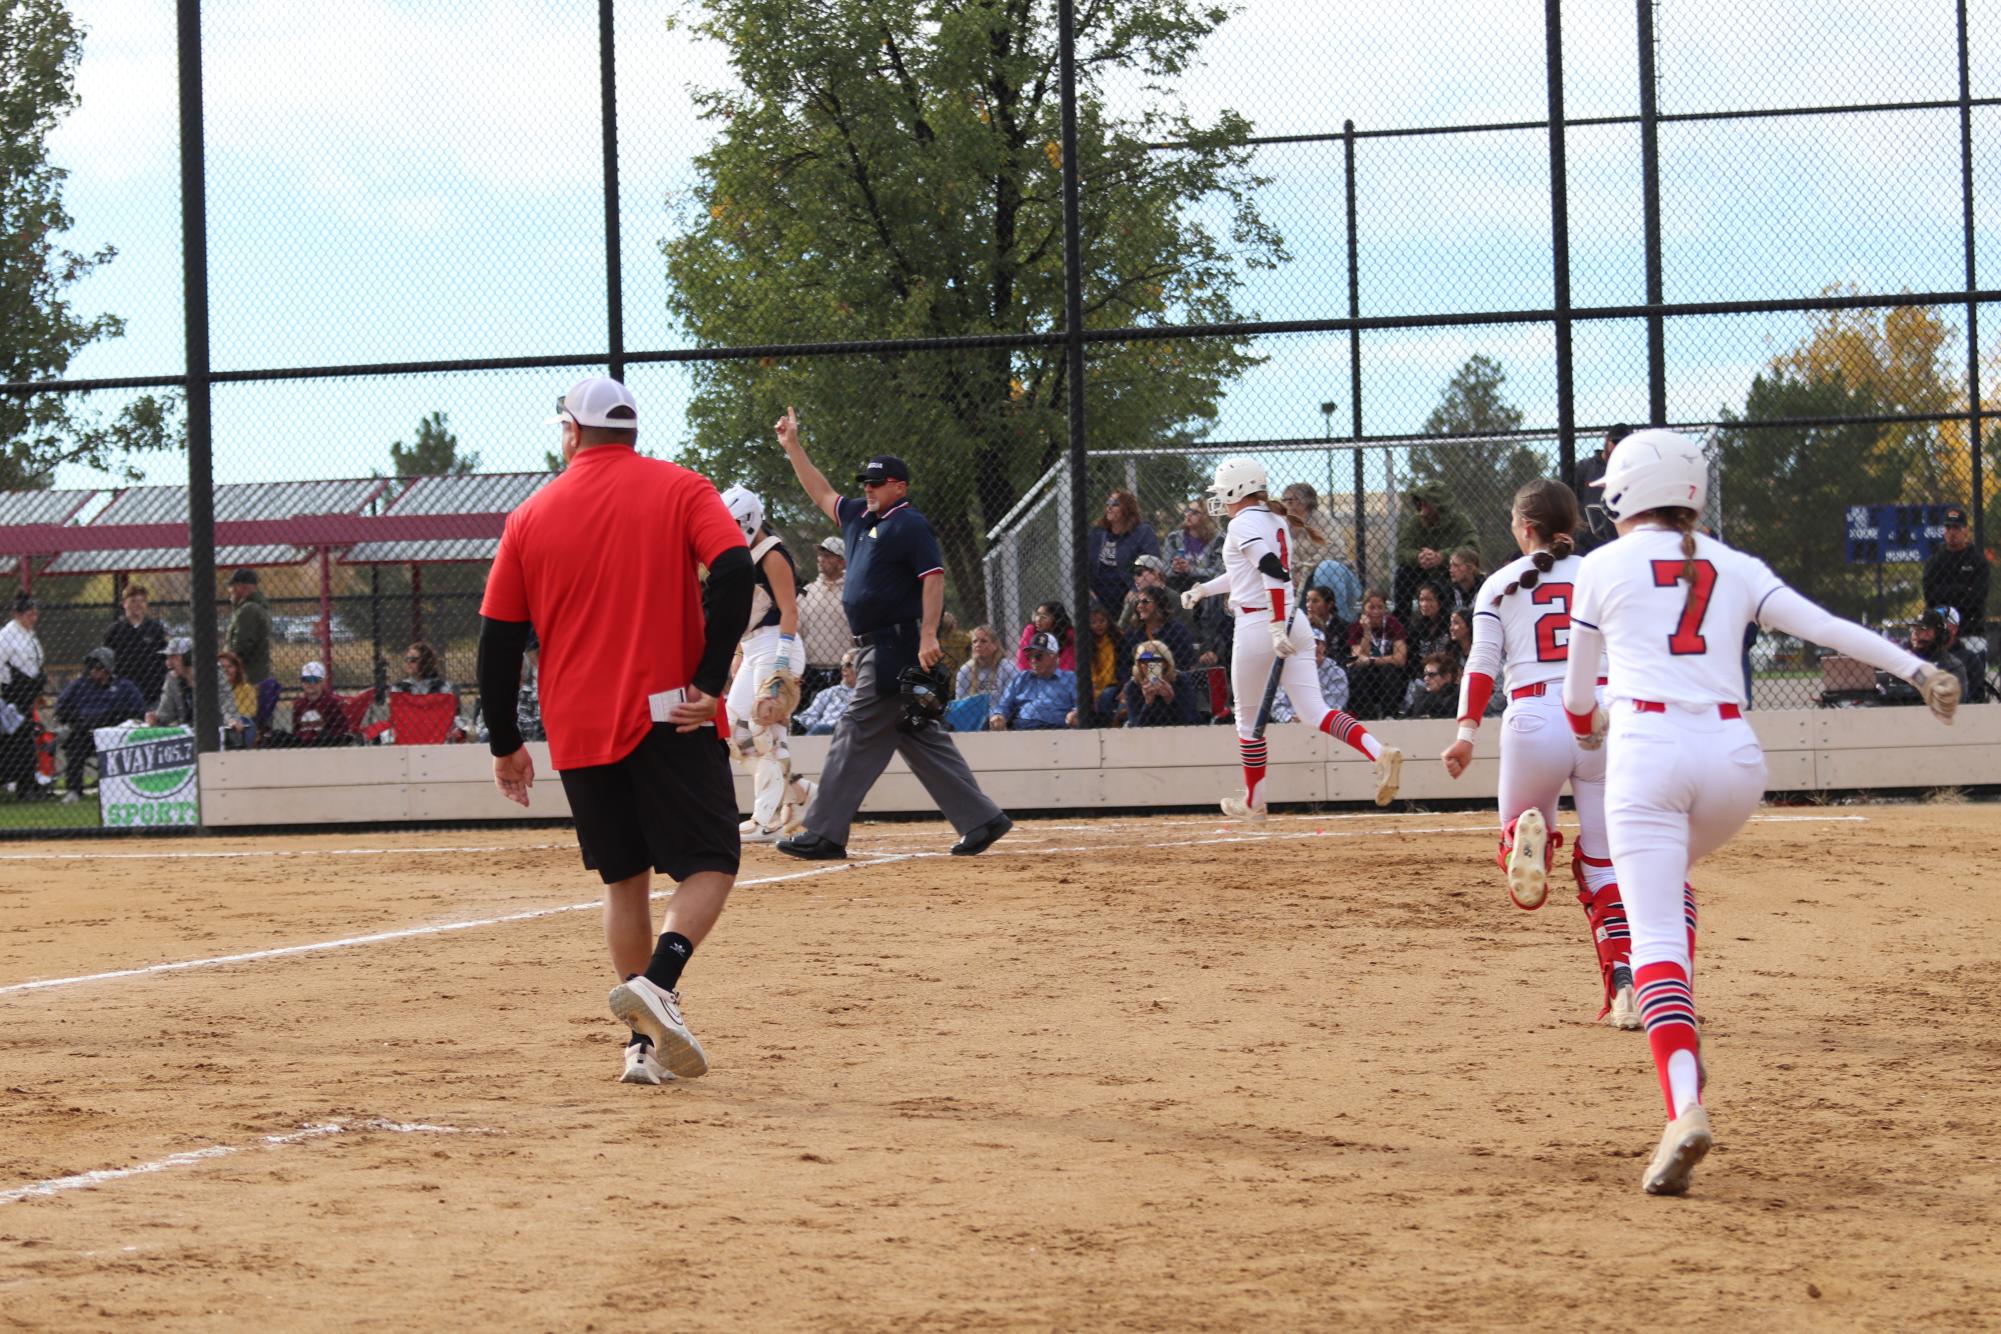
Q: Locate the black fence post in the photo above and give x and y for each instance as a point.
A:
(1559, 240)
(201, 460)
(1650, 200)
(1355, 353)
(1073, 355)
(1973, 414)
(614, 281)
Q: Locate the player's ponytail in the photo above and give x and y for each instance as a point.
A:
(1683, 520)
(1548, 509)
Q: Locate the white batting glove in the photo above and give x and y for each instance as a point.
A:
(1940, 692)
(1601, 722)
(1281, 640)
(1189, 598)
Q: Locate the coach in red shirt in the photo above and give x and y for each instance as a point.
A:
(635, 649)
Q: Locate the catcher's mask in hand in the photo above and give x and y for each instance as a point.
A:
(923, 695)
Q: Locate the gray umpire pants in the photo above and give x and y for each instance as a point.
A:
(864, 739)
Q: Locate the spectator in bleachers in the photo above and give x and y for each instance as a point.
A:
(249, 633)
(819, 717)
(1114, 543)
(1051, 618)
(1956, 576)
(1320, 611)
(1597, 529)
(1377, 652)
(1931, 639)
(1154, 619)
(176, 706)
(1149, 574)
(1156, 695)
(1426, 541)
(242, 697)
(98, 698)
(1333, 683)
(1308, 543)
(1435, 693)
(1194, 551)
(1108, 658)
(1044, 696)
(987, 671)
(317, 716)
(1429, 631)
(139, 642)
(423, 674)
(21, 684)
(823, 623)
(1462, 587)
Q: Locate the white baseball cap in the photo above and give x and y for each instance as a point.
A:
(598, 400)
(834, 546)
(313, 671)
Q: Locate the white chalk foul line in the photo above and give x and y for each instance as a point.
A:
(376, 938)
(265, 854)
(36, 1190)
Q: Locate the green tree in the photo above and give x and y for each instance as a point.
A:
(1787, 489)
(40, 332)
(1482, 475)
(435, 452)
(891, 169)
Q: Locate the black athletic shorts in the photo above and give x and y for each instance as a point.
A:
(670, 805)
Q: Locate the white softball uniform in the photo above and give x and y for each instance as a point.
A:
(1255, 596)
(766, 746)
(1684, 770)
(1527, 632)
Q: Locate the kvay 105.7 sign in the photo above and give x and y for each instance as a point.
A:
(146, 777)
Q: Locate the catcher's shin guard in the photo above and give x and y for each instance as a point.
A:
(770, 775)
(1605, 915)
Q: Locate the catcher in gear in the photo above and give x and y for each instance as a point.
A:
(766, 688)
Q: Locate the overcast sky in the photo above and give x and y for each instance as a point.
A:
(421, 180)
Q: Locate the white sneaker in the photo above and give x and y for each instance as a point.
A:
(1389, 775)
(1239, 809)
(1685, 1142)
(645, 1008)
(71, 798)
(750, 831)
(1625, 1011)
(641, 1068)
(1528, 877)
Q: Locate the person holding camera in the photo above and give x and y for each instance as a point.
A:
(894, 595)
(1157, 695)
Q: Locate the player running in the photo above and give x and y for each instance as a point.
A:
(1523, 621)
(766, 688)
(1257, 578)
(1669, 608)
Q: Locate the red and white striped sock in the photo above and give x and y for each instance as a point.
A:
(1667, 1008)
(1688, 916)
(1605, 915)
(1253, 755)
(1345, 727)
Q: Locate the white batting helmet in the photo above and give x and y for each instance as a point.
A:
(1235, 479)
(1653, 469)
(747, 508)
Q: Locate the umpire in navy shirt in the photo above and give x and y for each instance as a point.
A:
(894, 595)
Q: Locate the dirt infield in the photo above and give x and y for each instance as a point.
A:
(1139, 1074)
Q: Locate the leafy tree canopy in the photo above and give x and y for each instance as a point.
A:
(891, 169)
(1482, 476)
(40, 331)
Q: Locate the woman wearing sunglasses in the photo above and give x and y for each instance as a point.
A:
(1522, 620)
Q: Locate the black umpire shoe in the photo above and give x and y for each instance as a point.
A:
(979, 840)
(812, 848)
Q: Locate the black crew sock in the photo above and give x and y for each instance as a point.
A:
(670, 956)
(638, 1038)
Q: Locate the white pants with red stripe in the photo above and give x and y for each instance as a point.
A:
(1678, 786)
(1251, 657)
(1539, 755)
(763, 746)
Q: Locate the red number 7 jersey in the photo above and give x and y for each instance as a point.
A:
(1670, 639)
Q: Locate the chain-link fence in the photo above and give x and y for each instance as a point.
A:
(1354, 251)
